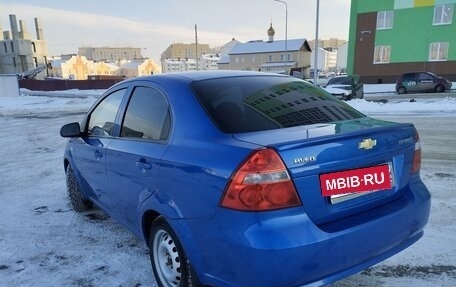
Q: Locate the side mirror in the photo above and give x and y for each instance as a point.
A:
(71, 130)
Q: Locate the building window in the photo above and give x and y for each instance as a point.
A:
(4, 45)
(438, 51)
(12, 47)
(382, 54)
(385, 19)
(270, 58)
(14, 61)
(443, 14)
(34, 47)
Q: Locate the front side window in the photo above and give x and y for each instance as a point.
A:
(101, 121)
(424, 77)
(443, 14)
(438, 51)
(147, 115)
(385, 19)
(382, 54)
(249, 104)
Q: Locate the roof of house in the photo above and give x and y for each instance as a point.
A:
(254, 47)
(224, 60)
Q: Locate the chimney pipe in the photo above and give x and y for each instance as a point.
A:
(39, 29)
(24, 34)
(13, 24)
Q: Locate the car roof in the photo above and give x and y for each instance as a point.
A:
(205, 75)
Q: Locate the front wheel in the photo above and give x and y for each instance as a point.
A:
(439, 89)
(169, 262)
(401, 90)
(75, 196)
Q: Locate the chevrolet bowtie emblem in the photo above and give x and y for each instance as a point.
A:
(367, 144)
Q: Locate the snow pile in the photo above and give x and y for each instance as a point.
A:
(33, 105)
(419, 106)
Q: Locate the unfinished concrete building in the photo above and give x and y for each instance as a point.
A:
(19, 53)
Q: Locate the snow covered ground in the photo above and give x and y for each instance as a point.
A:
(44, 243)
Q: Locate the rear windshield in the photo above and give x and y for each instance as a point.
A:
(258, 103)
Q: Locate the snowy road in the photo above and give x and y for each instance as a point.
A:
(44, 243)
(432, 260)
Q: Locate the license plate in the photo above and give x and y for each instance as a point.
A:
(369, 179)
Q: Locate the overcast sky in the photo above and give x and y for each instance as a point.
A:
(154, 25)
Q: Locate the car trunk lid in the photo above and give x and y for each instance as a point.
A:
(328, 163)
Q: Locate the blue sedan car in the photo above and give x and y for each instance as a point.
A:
(247, 179)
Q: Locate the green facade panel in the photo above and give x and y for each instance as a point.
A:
(413, 30)
(404, 4)
(365, 6)
(441, 2)
(407, 35)
(413, 33)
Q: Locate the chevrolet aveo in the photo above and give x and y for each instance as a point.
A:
(247, 179)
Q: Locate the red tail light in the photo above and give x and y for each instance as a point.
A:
(261, 183)
(417, 155)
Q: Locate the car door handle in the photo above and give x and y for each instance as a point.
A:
(143, 165)
(98, 154)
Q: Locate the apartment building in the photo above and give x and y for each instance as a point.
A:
(110, 54)
(390, 37)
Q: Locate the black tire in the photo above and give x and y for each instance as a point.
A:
(401, 90)
(439, 88)
(170, 264)
(77, 200)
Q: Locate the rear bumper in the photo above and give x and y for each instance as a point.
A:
(284, 248)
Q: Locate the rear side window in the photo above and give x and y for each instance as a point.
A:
(408, 77)
(101, 122)
(147, 115)
(257, 103)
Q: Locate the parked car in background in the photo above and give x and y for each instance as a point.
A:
(321, 82)
(345, 87)
(421, 82)
(247, 179)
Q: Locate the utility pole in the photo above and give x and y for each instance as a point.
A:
(315, 69)
(286, 32)
(196, 49)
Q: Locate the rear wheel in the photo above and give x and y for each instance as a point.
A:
(439, 89)
(169, 262)
(401, 90)
(77, 201)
